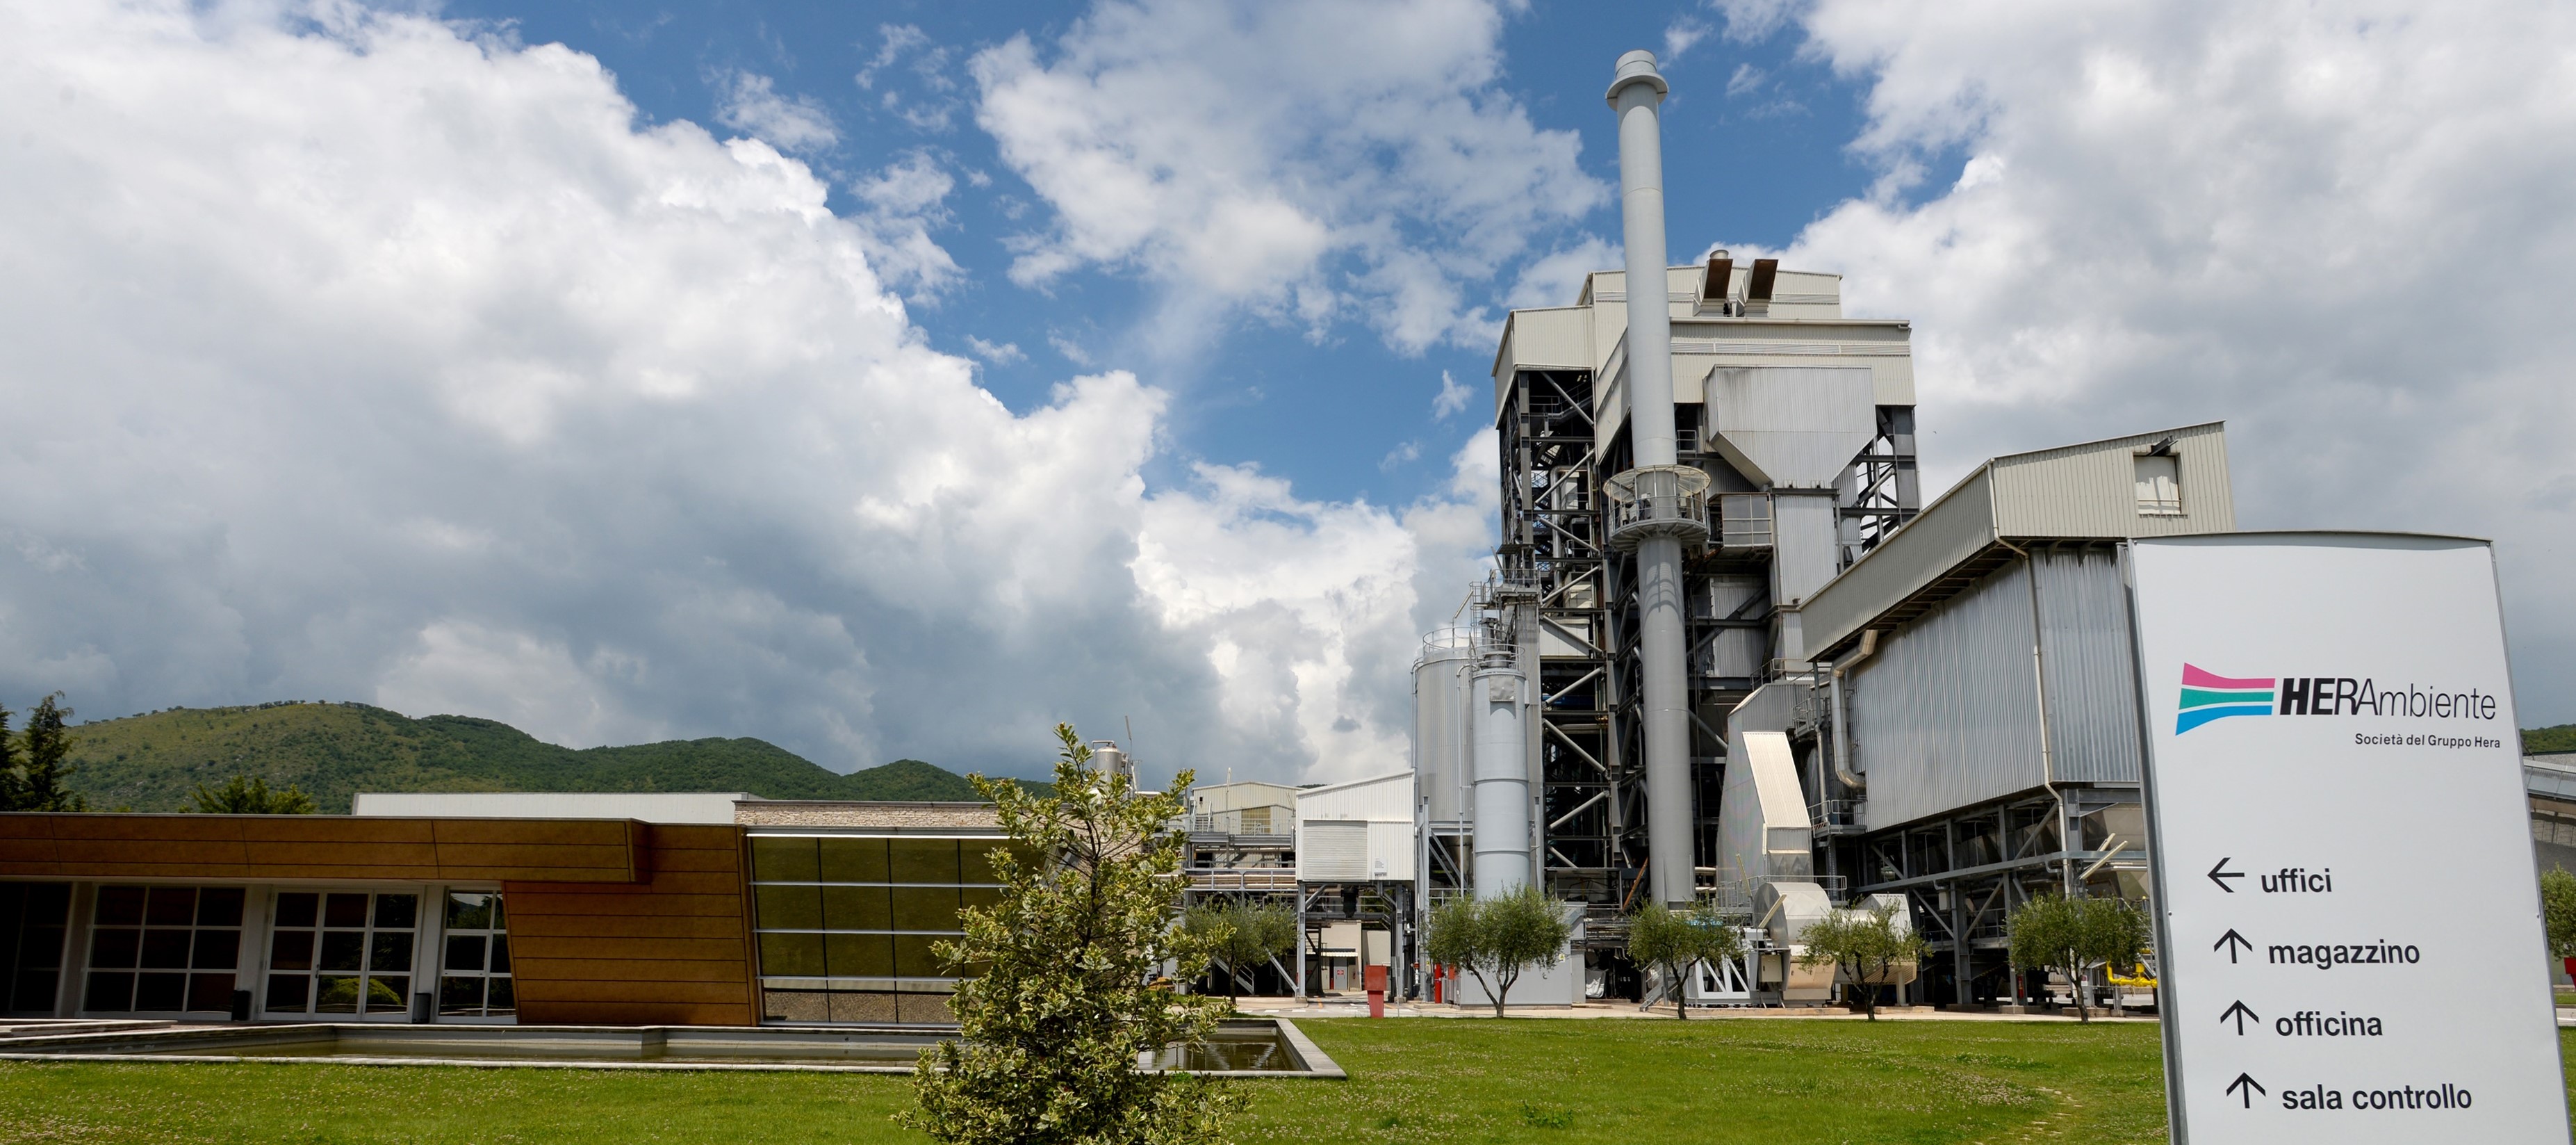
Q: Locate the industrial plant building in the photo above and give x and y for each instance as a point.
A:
(1728, 654)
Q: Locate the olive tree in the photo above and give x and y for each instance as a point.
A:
(2071, 936)
(1241, 936)
(1864, 945)
(1495, 938)
(1060, 1005)
(1673, 941)
(2558, 911)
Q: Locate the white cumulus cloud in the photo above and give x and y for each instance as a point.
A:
(752, 103)
(2342, 226)
(1313, 161)
(352, 355)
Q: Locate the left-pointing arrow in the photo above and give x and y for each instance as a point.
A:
(2220, 876)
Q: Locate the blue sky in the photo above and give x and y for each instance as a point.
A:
(891, 380)
(1749, 165)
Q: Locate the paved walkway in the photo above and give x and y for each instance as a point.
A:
(1356, 1007)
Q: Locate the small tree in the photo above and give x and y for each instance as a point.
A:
(2558, 911)
(2053, 933)
(1494, 938)
(37, 776)
(244, 795)
(1053, 1028)
(1863, 945)
(1673, 941)
(1241, 936)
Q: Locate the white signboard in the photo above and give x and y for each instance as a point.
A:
(2348, 920)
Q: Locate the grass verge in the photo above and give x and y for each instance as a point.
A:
(1419, 1080)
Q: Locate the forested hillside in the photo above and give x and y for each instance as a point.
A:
(152, 762)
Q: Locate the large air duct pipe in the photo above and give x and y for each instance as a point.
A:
(1637, 92)
(1502, 776)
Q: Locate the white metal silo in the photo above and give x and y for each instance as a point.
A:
(1442, 739)
(1502, 775)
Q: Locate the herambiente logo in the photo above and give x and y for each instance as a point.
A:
(2208, 696)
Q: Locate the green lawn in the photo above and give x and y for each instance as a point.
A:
(1774, 1082)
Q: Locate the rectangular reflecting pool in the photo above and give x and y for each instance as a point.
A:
(1251, 1047)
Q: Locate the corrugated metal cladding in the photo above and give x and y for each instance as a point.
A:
(1795, 426)
(1953, 529)
(2092, 677)
(2089, 490)
(1946, 713)
(1803, 528)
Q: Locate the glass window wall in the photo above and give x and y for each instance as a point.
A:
(33, 919)
(163, 950)
(342, 953)
(848, 924)
(474, 977)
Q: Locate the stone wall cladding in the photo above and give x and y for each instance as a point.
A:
(897, 816)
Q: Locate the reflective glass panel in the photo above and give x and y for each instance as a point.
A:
(790, 908)
(335, 995)
(924, 860)
(792, 955)
(859, 955)
(925, 908)
(783, 861)
(120, 906)
(469, 910)
(114, 947)
(854, 860)
(913, 957)
(856, 908)
(460, 996)
(210, 992)
(498, 999)
(342, 949)
(390, 952)
(161, 992)
(216, 950)
(465, 952)
(296, 908)
(345, 910)
(389, 994)
(172, 906)
(286, 992)
(500, 954)
(220, 906)
(291, 950)
(396, 912)
(165, 950)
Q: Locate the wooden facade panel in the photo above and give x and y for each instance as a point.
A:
(527, 903)
(639, 1013)
(526, 926)
(526, 948)
(637, 970)
(552, 832)
(305, 847)
(724, 862)
(662, 883)
(696, 836)
(175, 828)
(534, 856)
(693, 993)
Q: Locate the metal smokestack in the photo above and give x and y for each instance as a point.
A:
(1502, 777)
(1660, 506)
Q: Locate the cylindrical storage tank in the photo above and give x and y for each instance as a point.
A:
(1442, 756)
(1502, 777)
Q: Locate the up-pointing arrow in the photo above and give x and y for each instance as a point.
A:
(2220, 877)
(2232, 942)
(2245, 1082)
(2239, 1012)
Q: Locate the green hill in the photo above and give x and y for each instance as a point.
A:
(2561, 737)
(153, 762)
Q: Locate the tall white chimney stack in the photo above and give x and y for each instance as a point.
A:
(1660, 505)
